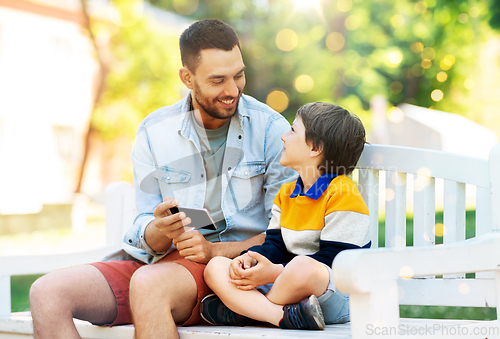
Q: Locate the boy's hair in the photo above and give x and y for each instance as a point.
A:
(205, 34)
(339, 134)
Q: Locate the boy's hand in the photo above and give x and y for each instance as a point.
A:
(263, 272)
(239, 264)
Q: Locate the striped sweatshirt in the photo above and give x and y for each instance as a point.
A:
(330, 217)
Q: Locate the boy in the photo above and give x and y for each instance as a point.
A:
(313, 219)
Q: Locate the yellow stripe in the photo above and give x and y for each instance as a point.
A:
(303, 213)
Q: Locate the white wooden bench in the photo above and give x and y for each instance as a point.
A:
(392, 180)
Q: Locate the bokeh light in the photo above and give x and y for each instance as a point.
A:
(405, 272)
(278, 100)
(469, 84)
(395, 58)
(426, 63)
(398, 20)
(287, 40)
(185, 7)
(304, 83)
(396, 114)
(396, 87)
(335, 41)
(417, 47)
(463, 18)
(344, 5)
(428, 53)
(474, 11)
(439, 230)
(442, 76)
(420, 7)
(352, 22)
(447, 62)
(350, 78)
(437, 95)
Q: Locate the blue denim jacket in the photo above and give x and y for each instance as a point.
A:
(168, 163)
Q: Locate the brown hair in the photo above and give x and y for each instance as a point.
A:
(205, 34)
(339, 134)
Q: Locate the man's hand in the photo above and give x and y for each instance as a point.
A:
(193, 246)
(255, 270)
(170, 225)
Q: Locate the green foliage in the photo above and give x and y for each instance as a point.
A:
(143, 73)
(385, 43)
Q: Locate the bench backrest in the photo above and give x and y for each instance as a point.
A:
(397, 182)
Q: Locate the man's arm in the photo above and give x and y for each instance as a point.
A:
(193, 246)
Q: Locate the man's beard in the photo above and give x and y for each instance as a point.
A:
(211, 110)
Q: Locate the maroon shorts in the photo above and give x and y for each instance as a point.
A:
(119, 273)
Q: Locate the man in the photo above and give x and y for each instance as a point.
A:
(217, 149)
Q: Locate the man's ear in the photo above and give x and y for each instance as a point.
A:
(186, 77)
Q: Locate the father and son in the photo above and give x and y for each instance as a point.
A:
(269, 261)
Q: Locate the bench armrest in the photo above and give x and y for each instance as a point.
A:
(370, 276)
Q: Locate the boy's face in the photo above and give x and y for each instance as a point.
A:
(296, 152)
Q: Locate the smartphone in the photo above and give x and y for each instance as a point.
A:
(200, 218)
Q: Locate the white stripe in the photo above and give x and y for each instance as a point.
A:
(301, 242)
(347, 227)
(275, 221)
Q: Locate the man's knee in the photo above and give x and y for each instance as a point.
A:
(45, 292)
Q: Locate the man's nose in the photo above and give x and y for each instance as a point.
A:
(231, 89)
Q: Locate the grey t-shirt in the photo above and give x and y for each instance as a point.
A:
(213, 146)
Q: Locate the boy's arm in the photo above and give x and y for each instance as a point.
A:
(274, 247)
(343, 230)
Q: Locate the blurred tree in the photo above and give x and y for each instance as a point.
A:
(347, 51)
(143, 61)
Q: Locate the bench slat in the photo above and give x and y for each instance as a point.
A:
(454, 216)
(369, 188)
(424, 211)
(395, 210)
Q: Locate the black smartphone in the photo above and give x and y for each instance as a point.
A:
(200, 218)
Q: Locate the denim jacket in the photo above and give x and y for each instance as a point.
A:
(168, 163)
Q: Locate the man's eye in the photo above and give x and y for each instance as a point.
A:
(239, 76)
(218, 82)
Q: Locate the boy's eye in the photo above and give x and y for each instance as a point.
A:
(292, 129)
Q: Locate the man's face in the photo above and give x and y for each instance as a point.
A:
(218, 84)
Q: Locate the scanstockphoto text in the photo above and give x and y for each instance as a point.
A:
(432, 330)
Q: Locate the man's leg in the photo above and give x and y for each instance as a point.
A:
(81, 292)
(161, 296)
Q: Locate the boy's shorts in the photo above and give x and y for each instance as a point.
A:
(118, 275)
(334, 304)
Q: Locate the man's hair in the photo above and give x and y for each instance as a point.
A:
(205, 34)
(339, 134)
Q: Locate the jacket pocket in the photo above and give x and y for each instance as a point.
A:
(174, 183)
(246, 184)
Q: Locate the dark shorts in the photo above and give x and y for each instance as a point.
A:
(119, 273)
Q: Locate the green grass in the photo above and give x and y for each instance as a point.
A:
(21, 284)
(20, 287)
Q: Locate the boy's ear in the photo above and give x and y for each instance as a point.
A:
(186, 77)
(315, 152)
